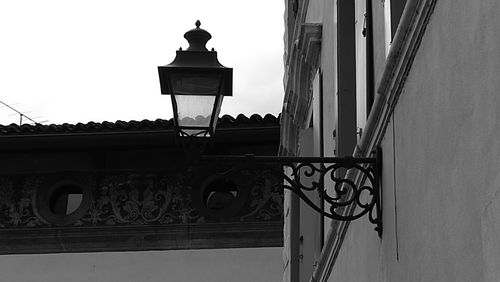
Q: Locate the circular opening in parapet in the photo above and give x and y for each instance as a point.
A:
(220, 194)
(66, 199)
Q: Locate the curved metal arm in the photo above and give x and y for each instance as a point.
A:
(351, 186)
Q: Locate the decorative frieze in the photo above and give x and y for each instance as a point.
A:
(123, 203)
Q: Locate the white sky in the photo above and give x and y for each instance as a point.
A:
(95, 60)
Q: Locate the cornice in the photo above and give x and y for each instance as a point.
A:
(310, 42)
(303, 61)
(405, 46)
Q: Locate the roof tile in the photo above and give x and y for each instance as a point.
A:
(225, 121)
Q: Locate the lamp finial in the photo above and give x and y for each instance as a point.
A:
(197, 38)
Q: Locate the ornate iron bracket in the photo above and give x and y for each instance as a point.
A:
(350, 187)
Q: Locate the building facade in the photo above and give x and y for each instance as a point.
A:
(123, 202)
(416, 79)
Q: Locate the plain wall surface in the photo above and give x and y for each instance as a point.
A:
(447, 149)
(441, 176)
(216, 265)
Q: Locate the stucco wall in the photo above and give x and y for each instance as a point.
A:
(328, 59)
(222, 265)
(449, 127)
(314, 11)
(309, 220)
(441, 160)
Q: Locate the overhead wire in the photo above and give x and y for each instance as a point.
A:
(22, 115)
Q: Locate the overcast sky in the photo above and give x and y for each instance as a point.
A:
(95, 60)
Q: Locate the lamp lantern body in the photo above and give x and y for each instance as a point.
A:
(197, 84)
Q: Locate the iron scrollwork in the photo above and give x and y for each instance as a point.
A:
(349, 187)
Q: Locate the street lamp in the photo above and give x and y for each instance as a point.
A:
(197, 83)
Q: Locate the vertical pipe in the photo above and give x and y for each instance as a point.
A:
(370, 85)
(294, 238)
(321, 154)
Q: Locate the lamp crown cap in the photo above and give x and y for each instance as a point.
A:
(197, 38)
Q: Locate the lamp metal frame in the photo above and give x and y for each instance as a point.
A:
(354, 190)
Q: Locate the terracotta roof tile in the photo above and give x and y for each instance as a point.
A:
(225, 121)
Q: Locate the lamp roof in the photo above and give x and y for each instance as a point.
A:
(196, 55)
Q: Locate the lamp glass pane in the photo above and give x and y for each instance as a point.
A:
(196, 84)
(217, 108)
(194, 111)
